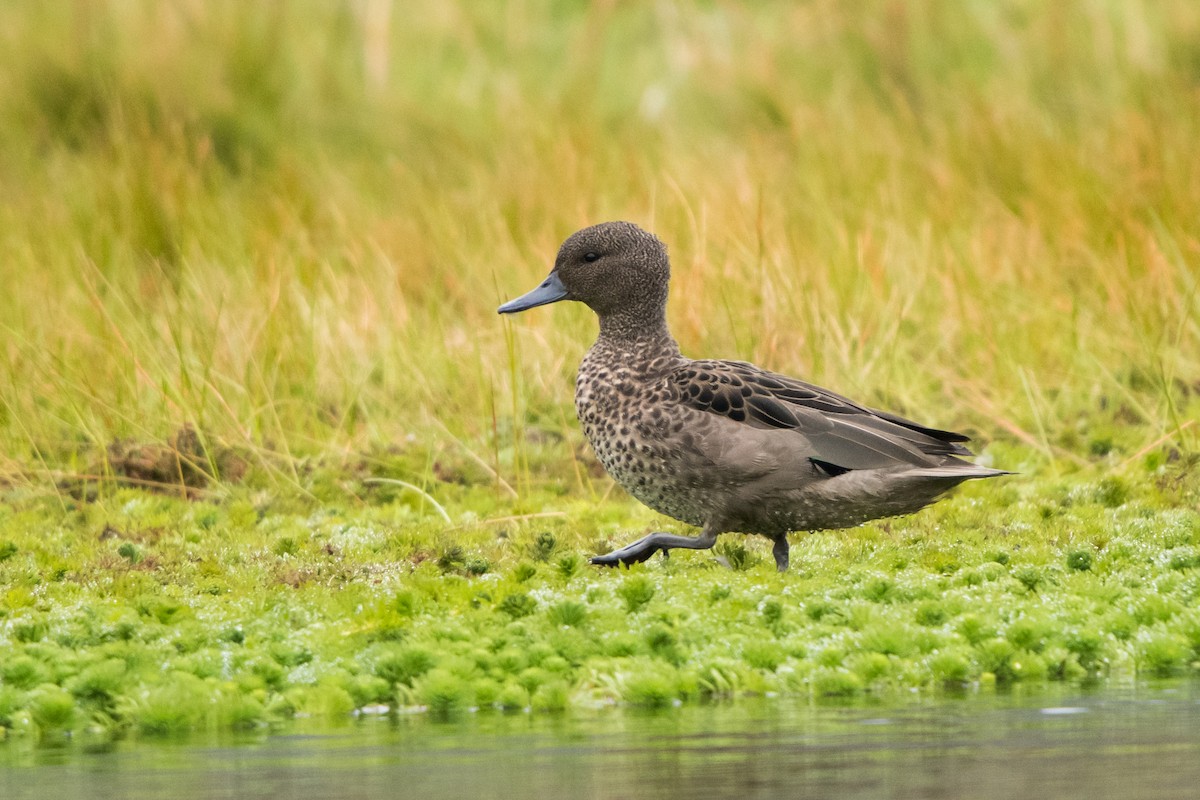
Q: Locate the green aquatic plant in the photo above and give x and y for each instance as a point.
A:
(155, 652)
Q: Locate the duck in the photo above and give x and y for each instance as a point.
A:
(727, 446)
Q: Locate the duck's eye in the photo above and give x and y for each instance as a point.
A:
(590, 257)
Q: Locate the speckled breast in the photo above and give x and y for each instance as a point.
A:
(628, 428)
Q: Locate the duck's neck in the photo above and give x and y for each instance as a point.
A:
(638, 337)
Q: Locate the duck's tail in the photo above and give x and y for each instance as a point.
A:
(956, 473)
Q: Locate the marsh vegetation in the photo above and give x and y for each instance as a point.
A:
(266, 449)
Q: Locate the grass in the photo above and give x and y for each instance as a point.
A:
(266, 449)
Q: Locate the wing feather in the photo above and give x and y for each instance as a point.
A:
(842, 432)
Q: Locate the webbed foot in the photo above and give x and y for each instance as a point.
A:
(631, 554)
(647, 546)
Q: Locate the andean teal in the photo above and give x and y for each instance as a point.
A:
(724, 445)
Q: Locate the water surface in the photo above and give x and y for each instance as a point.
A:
(1140, 742)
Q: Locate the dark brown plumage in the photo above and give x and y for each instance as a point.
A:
(725, 445)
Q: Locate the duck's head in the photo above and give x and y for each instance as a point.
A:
(615, 268)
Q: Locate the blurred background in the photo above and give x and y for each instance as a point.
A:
(287, 225)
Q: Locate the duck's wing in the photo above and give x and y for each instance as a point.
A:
(843, 434)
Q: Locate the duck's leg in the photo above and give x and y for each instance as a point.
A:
(649, 545)
(780, 551)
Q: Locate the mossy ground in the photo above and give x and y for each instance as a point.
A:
(266, 449)
(159, 614)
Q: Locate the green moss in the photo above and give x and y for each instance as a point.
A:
(1112, 491)
(1028, 633)
(518, 604)
(511, 660)
(737, 555)
(951, 667)
(570, 565)
(443, 692)
(1183, 558)
(552, 696)
(871, 667)
(524, 572)
(1030, 577)
(486, 692)
(52, 708)
(235, 709)
(543, 546)
(620, 644)
(1025, 666)
(99, 683)
(1154, 608)
(1088, 648)
(146, 647)
(931, 613)
(832, 682)
(1162, 653)
(180, 703)
(655, 688)
(893, 639)
(532, 678)
(820, 610)
(400, 664)
(568, 613)
(22, 672)
(763, 655)
(636, 591)
(1079, 560)
(721, 678)
(12, 700)
(995, 657)
(513, 697)
(663, 642)
(166, 610)
(266, 670)
(477, 566)
(326, 699)
(831, 656)
(538, 652)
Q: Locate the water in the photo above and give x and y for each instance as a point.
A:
(1137, 743)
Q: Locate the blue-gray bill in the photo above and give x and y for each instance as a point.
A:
(551, 291)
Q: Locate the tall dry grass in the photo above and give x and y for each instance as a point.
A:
(289, 224)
